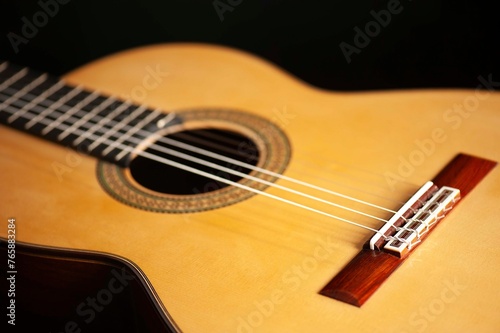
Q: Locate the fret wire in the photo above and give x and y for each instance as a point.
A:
(62, 126)
(53, 106)
(104, 104)
(101, 120)
(39, 80)
(40, 97)
(131, 131)
(104, 120)
(14, 78)
(115, 129)
(66, 114)
(70, 112)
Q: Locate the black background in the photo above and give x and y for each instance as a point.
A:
(431, 43)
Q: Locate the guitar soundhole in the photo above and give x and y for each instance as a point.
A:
(163, 178)
(154, 186)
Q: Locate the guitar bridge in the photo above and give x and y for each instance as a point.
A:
(400, 236)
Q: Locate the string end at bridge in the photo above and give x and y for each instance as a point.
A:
(414, 219)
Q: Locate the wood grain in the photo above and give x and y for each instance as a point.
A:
(464, 172)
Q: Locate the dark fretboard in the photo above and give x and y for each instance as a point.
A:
(87, 121)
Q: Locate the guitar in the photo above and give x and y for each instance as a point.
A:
(240, 192)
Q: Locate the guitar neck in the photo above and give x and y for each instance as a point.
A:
(87, 121)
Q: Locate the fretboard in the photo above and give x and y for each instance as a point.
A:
(101, 126)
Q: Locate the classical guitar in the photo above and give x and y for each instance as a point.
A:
(247, 201)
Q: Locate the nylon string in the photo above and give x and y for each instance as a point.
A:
(207, 153)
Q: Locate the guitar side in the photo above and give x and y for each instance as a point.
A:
(62, 289)
(257, 266)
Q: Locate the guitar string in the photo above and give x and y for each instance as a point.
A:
(200, 134)
(216, 136)
(215, 166)
(204, 174)
(243, 175)
(234, 172)
(344, 179)
(203, 133)
(239, 163)
(242, 164)
(363, 184)
(223, 158)
(231, 183)
(215, 142)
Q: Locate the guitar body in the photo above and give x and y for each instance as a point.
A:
(257, 265)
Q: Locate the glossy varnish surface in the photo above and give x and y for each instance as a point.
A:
(60, 291)
(257, 266)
